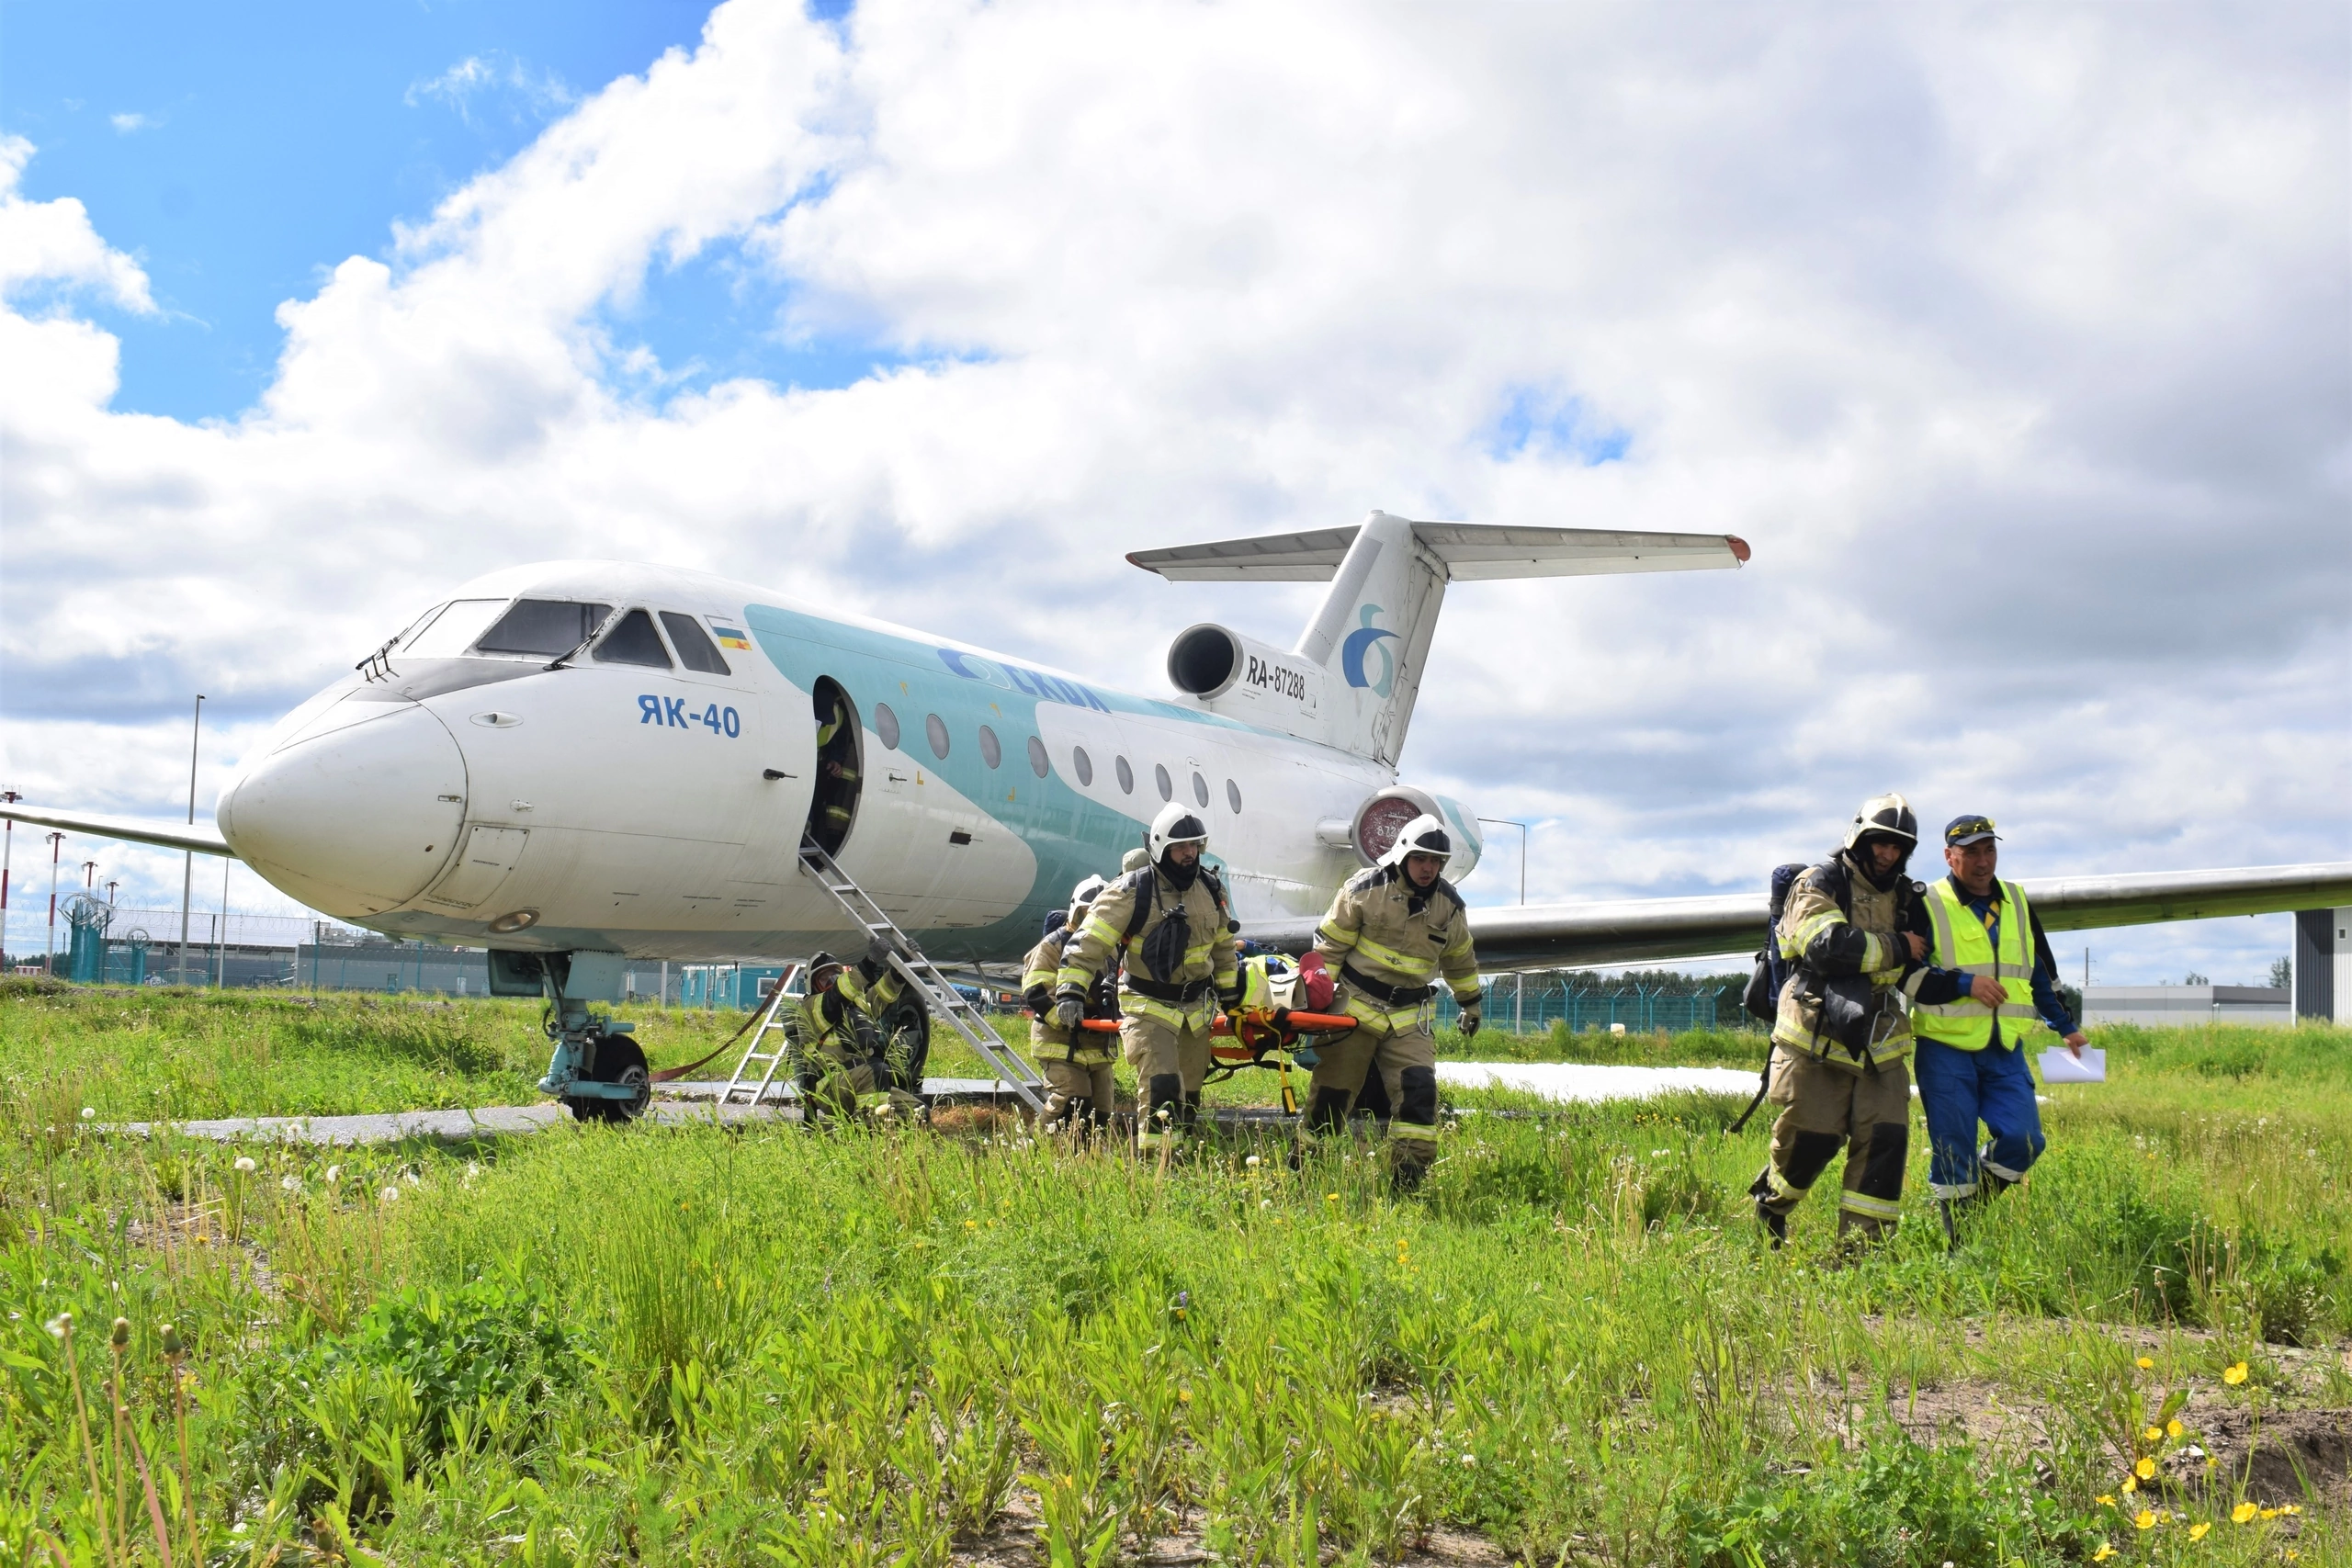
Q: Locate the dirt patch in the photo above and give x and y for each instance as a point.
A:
(1018, 1541)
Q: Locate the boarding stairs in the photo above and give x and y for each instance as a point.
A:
(946, 1003)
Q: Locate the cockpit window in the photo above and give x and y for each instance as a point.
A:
(693, 645)
(544, 628)
(450, 631)
(633, 640)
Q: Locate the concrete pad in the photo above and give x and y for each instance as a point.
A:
(1585, 1084)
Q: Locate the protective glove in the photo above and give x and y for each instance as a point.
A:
(1230, 1002)
(878, 955)
(1069, 1008)
(1469, 1023)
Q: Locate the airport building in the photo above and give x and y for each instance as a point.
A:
(2161, 1006)
(2323, 964)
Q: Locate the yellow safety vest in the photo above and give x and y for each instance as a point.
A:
(1963, 944)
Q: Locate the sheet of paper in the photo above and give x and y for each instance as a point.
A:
(2059, 1066)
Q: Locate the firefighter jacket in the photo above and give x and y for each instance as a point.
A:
(839, 1021)
(1040, 973)
(1389, 941)
(1847, 1002)
(1999, 942)
(1176, 982)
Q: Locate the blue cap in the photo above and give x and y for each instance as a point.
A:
(1970, 830)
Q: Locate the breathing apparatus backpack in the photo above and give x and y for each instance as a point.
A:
(1762, 998)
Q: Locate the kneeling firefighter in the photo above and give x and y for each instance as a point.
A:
(833, 1039)
(1852, 930)
(1390, 931)
(1077, 1061)
(1170, 926)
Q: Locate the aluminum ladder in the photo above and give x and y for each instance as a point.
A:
(946, 1002)
(755, 1058)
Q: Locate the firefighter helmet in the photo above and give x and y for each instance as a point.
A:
(1085, 893)
(1175, 825)
(1884, 816)
(819, 966)
(1424, 835)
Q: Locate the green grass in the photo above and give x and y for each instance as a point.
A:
(681, 1345)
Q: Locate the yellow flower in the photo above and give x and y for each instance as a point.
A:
(2145, 1469)
(2152, 1435)
(2235, 1374)
(2130, 1485)
(2197, 1531)
(2291, 1508)
(2243, 1512)
(2103, 1554)
(1330, 1197)
(2144, 1364)
(2145, 1519)
(2269, 1513)
(2173, 1429)
(2106, 1500)
(1183, 1396)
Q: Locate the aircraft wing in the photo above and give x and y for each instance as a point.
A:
(1471, 552)
(1649, 931)
(202, 837)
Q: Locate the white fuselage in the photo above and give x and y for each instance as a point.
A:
(460, 793)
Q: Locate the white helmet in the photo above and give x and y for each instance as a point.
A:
(1424, 835)
(1085, 893)
(1888, 814)
(1175, 825)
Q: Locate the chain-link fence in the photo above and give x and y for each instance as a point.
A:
(1532, 1003)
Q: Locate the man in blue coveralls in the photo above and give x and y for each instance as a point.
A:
(1970, 1062)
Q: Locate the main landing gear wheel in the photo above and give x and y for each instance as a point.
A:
(618, 1061)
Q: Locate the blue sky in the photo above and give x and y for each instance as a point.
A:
(1878, 289)
(237, 151)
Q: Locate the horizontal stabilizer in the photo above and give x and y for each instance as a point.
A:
(1471, 552)
(201, 836)
(1650, 931)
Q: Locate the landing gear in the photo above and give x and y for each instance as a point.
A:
(619, 1063)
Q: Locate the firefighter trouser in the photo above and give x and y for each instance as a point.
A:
(1403, 1048)
(1823, 1108)
(1959, 1088)
(1170, 1059)
(841, 1086)
(1082, 1095)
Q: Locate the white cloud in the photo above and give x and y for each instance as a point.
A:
(477, 77)
(125, 124)
(2014, 342)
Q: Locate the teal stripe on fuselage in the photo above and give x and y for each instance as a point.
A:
(1072, 837)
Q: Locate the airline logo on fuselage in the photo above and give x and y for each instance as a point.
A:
(1013, 678)
(1369, 639)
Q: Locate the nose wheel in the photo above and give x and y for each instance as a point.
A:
(620, 1070)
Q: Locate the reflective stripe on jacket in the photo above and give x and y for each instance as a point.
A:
(1211, 956)
(1877, 951)
(1963, 944)
(1394, 934)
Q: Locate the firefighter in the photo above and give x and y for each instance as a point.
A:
(2001, 977)
(1852, 930)
(1077, 1063)
(1391, 932)
(1170, 926)
(835, 1050)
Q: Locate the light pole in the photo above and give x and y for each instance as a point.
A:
(188, 860)
(1506, 822)
(90, 875)
(49, 959)
(7, 854)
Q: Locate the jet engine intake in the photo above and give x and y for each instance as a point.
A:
(1244, 679)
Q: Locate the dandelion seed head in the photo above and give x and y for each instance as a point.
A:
(244, 1165)
(334, 1173)
(89, 1114)
(290, 1183)
(391, 1195)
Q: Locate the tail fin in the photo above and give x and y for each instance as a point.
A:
(1388, 576)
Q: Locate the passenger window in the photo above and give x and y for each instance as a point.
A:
(1200, 789)
(886, 725)
(1084, 763)
(450, 633)
(1167, 785)
(1233, 796)
(1039, 764)
(991, 752)
(1127, 778)
(935, 728)
(634, 642)
(544, 628)
(696, 651)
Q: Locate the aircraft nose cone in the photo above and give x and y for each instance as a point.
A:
(356, 820)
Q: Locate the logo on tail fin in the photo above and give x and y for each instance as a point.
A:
(1368, 639)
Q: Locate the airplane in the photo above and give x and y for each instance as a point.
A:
(573, 762)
